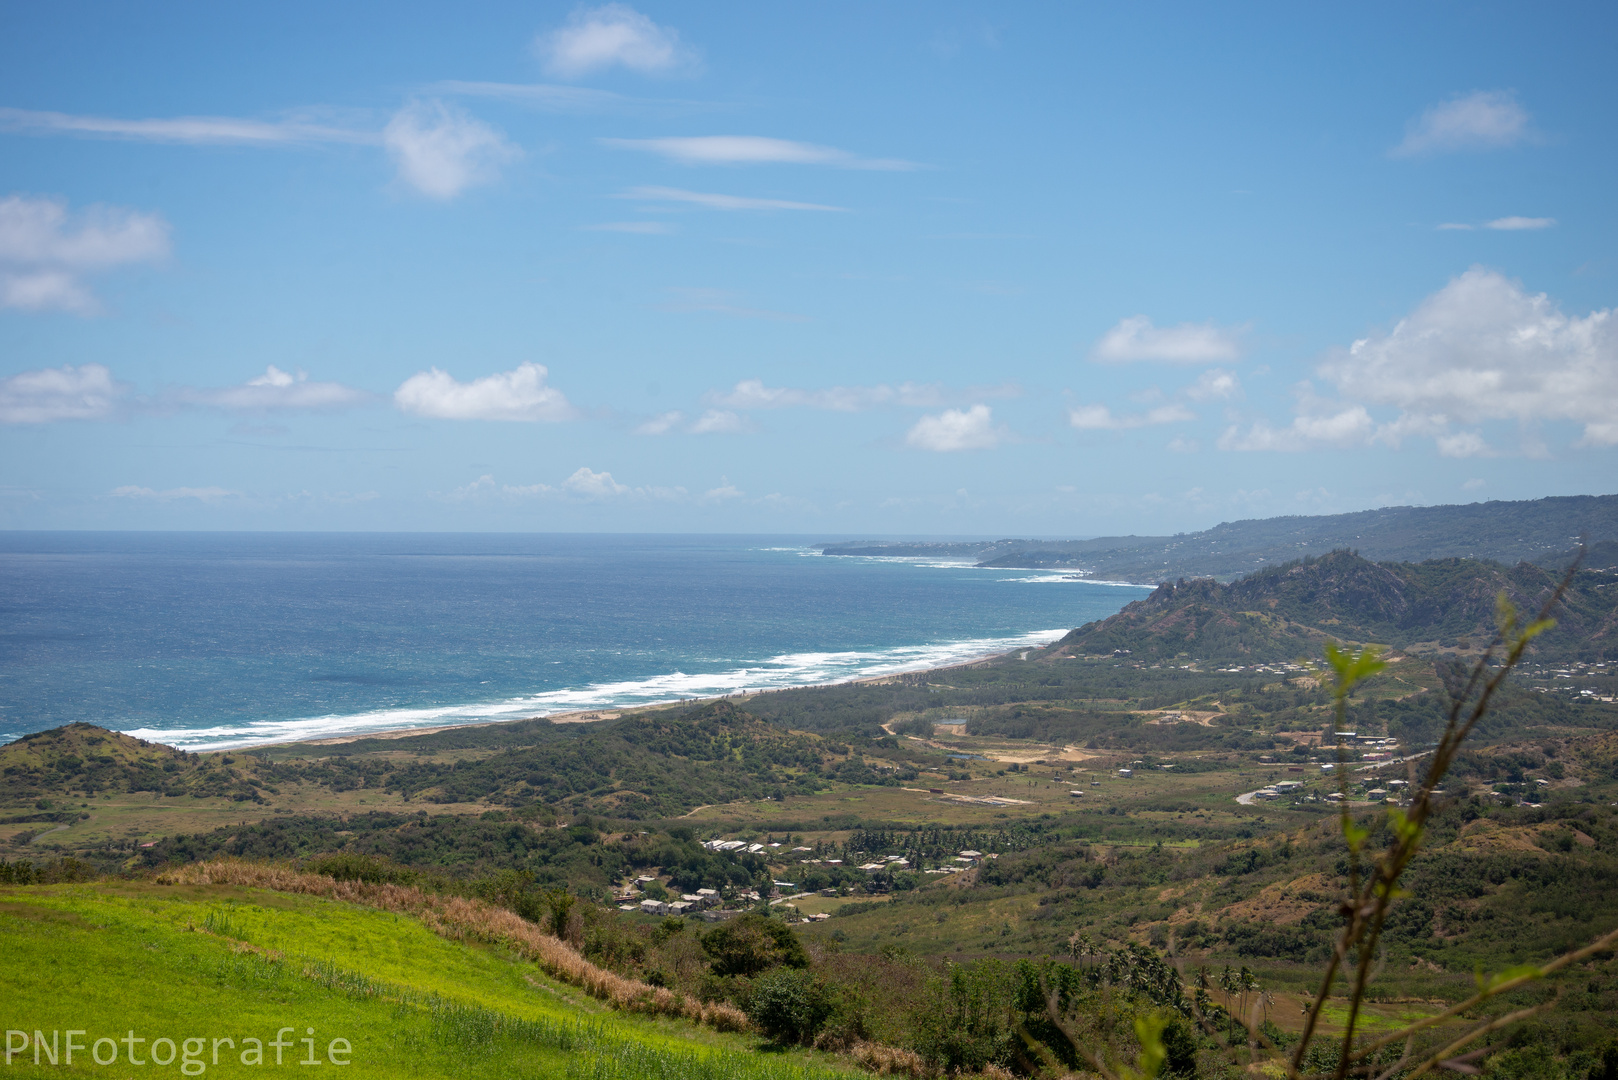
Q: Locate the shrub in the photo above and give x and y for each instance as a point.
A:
(789, 1005)
(751, 944)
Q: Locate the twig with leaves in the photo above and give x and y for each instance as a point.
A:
(1373, 885)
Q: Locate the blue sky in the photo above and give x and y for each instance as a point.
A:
(1040, 269)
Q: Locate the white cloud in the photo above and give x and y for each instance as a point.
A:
(1462, 444)
(45, 251)
(711, 201)
(276, 389)
(1505, 224)
(645, 228)
(87, 392)
(753, 394)
(612, 35)
(661, 424)
(1340, 427)
(202, 494)
(1474, 484)
(1479, 349)
(510, 395)
(955, 429)
(711, 422)
(1101, 418)
(441, 150)
(719, 422)
(1514, 224)
(1215, 383)
(1481, 120)
(725, 490)
(594, 485)
(754, 150)
(46, 290)
(1482, 349)
(585, 483)
(190, 130)
(1135, 338)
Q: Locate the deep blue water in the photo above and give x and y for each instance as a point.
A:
(220, 639)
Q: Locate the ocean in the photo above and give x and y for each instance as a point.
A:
(214, 640)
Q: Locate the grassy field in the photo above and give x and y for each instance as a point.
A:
(197, 964)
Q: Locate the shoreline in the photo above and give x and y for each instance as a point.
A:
(594, 716)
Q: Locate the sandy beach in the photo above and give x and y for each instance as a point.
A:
(591, 716)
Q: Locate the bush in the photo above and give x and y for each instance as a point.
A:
(348, 866)
(751, 944)
(789, 1005)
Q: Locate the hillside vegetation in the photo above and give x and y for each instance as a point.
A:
(1285, 612)
(1502, 531)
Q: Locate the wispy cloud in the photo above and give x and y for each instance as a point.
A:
(1480, 120)
(1343, 426)
(1101, 418)
(753, 394)
(1514, 224)
(46, 251)
(1135, 338)
(201, 494)
(711, 422)
(192, 130)
(712, 201)
(1504, 224)
(441, 150)
(754, 150)
(661, 424)
(720, 422)
(518, 395)
(87, 392)
(1214, 384)
(438, 149)
(543, 96)
(955, 429)
(583, 485)
(276, 391)
(613, 35)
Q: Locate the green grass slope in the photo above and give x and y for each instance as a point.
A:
(195, 964)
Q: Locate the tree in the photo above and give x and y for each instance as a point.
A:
(752, 944)
(789, 1005)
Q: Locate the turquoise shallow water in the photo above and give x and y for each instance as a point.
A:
(204, 640)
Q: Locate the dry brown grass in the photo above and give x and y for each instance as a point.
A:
(888, 1060)
(461, 919)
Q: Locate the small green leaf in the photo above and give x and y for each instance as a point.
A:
(1505, 613)
(1352, 668)
(1487, 983)
(1149, 1030)
(1535, 628)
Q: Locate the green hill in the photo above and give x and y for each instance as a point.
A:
(1285, 612)
(1503, 531)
